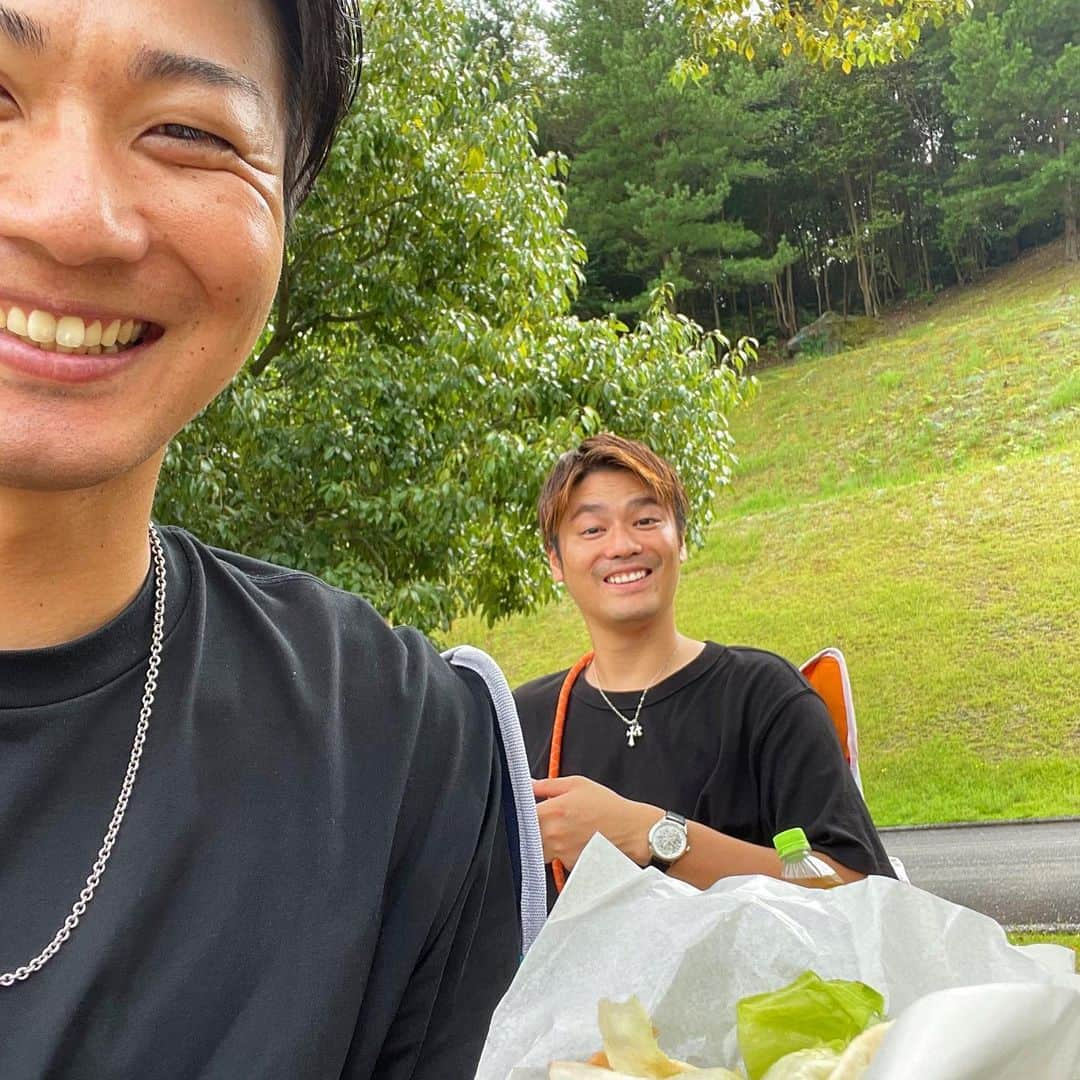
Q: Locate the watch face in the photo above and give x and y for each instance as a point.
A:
(668, 841)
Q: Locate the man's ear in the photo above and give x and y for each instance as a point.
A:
(555, 563)
(682, 552)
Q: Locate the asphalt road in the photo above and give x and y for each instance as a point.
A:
(1023, 874)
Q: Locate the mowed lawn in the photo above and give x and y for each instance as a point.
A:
(915, 502)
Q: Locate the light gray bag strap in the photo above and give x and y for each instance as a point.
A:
(533, 882)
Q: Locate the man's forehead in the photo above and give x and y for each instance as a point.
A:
(610, 489)
(237, 36)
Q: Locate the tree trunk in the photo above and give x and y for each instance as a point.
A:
(870, 256)
(784, 313)
(861, 268)
(791, 303)
(1072, 241)
(957, 268)
(875, 292)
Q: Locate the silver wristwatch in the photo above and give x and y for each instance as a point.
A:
(668, 841)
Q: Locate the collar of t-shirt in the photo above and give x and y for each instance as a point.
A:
(626, 700)
(34, 677)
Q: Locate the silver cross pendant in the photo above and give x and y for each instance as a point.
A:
(633, 731)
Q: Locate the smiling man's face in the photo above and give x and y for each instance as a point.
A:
(142, 147)
(619, 551)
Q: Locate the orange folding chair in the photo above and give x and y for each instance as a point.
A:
(827, 673)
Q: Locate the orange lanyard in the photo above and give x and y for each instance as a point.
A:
(558, 871)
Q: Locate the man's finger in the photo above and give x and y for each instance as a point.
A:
(545, 811)
(547, 789)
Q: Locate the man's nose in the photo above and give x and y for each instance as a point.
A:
(64, 189)
(622, 542)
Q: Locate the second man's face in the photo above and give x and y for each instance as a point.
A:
(619, 550)
(141, 223)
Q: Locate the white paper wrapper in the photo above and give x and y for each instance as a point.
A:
(690, 956)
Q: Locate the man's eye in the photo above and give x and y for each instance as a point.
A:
(648, 521)
(591, 530)
(186, 133)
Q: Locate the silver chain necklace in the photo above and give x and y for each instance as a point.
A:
(78, 909)
(634, 730)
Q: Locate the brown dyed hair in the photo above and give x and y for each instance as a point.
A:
(607, 451)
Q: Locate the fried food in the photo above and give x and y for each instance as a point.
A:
(630, 1043)
(856, 1059)
(632, 1052)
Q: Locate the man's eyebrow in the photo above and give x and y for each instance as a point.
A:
(632, 504)
(22, 30)
(587, 508)
(152, 65)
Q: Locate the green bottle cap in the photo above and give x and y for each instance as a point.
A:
(791, 843)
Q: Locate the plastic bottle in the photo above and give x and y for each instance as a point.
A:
(799, 865)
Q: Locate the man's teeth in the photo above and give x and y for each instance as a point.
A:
(626, 579)
(70, 333)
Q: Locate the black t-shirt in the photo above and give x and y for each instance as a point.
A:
(736, 740)
(313, 878)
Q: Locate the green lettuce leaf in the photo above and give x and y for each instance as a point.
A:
(807, 1013)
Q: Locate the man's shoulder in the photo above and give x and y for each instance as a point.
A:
(758, 678)
(318, 626)
(242, 582)
(258, 573)
(748, 660)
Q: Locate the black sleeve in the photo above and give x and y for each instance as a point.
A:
(453, 913)
(806, 783)
(481, 941)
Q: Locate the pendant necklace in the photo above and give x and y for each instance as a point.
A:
(634, 730)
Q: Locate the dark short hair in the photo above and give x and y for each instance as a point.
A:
(321, 47)
(607, 451)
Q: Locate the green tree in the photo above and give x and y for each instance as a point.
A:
(654, 168)
(765, 191)
(927, 160)
(1016, 87)
(775, 188)
(420, 370)
(511, 32)
(848, 33)
(852, 149)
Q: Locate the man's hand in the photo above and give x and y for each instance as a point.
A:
(572, 808)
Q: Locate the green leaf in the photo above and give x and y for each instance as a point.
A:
(809, 1012)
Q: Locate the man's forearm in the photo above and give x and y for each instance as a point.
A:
(714, 855)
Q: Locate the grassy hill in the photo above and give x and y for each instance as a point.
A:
(915, 501)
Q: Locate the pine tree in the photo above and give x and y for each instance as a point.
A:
(1015, 95)
(654, 167)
